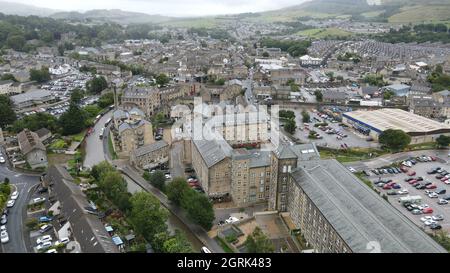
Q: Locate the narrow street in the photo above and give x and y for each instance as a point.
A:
(95, 152)
(23, 183)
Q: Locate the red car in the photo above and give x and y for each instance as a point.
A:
(387, 187)
(433, 158)
(411, 182)
(404, 169)
(412, 173)
(427, 210)
(431, 186)
(444, 179)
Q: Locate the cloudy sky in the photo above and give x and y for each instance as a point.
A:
(167, 7)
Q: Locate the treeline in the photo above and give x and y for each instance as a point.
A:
(419, 33)
(295, 48)
(27, 33)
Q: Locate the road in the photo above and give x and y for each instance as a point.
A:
(15, 226)
(95, 147)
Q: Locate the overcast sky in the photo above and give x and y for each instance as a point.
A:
(167, 7)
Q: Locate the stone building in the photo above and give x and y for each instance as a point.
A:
(32, 149)
(250, 179)
(151, 155)
(337, 213)
(283, 160)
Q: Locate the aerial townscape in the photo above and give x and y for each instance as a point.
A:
(322, 126)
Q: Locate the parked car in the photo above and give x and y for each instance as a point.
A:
(3, 219)
(231, 220)
(10, 203)
(4, 237)
(435, 226)
(431, 186)
(426, 218)
(43, 239)
(438, 217)
(430, 222)
(433, 195)
(416, 211)
(404, 191)
(412, 173)
(44, 219)
(44, 246)
(45, 228)
(427, 210)
(442, 202)
(14, 195)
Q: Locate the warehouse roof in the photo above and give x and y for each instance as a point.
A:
(357, 213)
(385, 119)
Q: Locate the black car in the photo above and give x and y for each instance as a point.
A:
(409, 179)
(375, 171)
(420, 186)
(432, 171)
(427, 183)
(42, 190)
(435, 226)
(420, 178)
(391, 171)
(439, 176)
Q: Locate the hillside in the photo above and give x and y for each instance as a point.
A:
(23, 9)
(113, 15)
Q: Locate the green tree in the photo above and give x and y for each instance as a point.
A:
(35, 122)
(258, 242)
(101, 169)
(176, 190)
(394, 139)
(177, 244)
(198, 208)
(319, 96)
(306, 118)
(115, 188)
(16, 42)
(8, 77)
(7, 114)
(96, 85)
(443, 141)
(157, 179)
(76, 96)
(147, 215)
(73, 121)
(106, 100)
(290, 126)
(41, 75)
(162, 79)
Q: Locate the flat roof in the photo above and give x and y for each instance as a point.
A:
(357, 213)
(385, 119)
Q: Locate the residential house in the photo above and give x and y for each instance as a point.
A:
(32, 149)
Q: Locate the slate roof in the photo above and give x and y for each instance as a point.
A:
(212, 151)
(357, 213)
(29, 141)
(87, 229)
(150, 148)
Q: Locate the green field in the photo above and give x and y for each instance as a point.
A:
(324, 32)
(419, 14)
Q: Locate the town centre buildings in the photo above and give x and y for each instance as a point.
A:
(373, 123)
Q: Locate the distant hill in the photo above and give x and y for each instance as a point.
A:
(395, 11)
(24, 10)
(111, 15)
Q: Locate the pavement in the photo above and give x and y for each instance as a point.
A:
(94, 145)
(15, 226)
